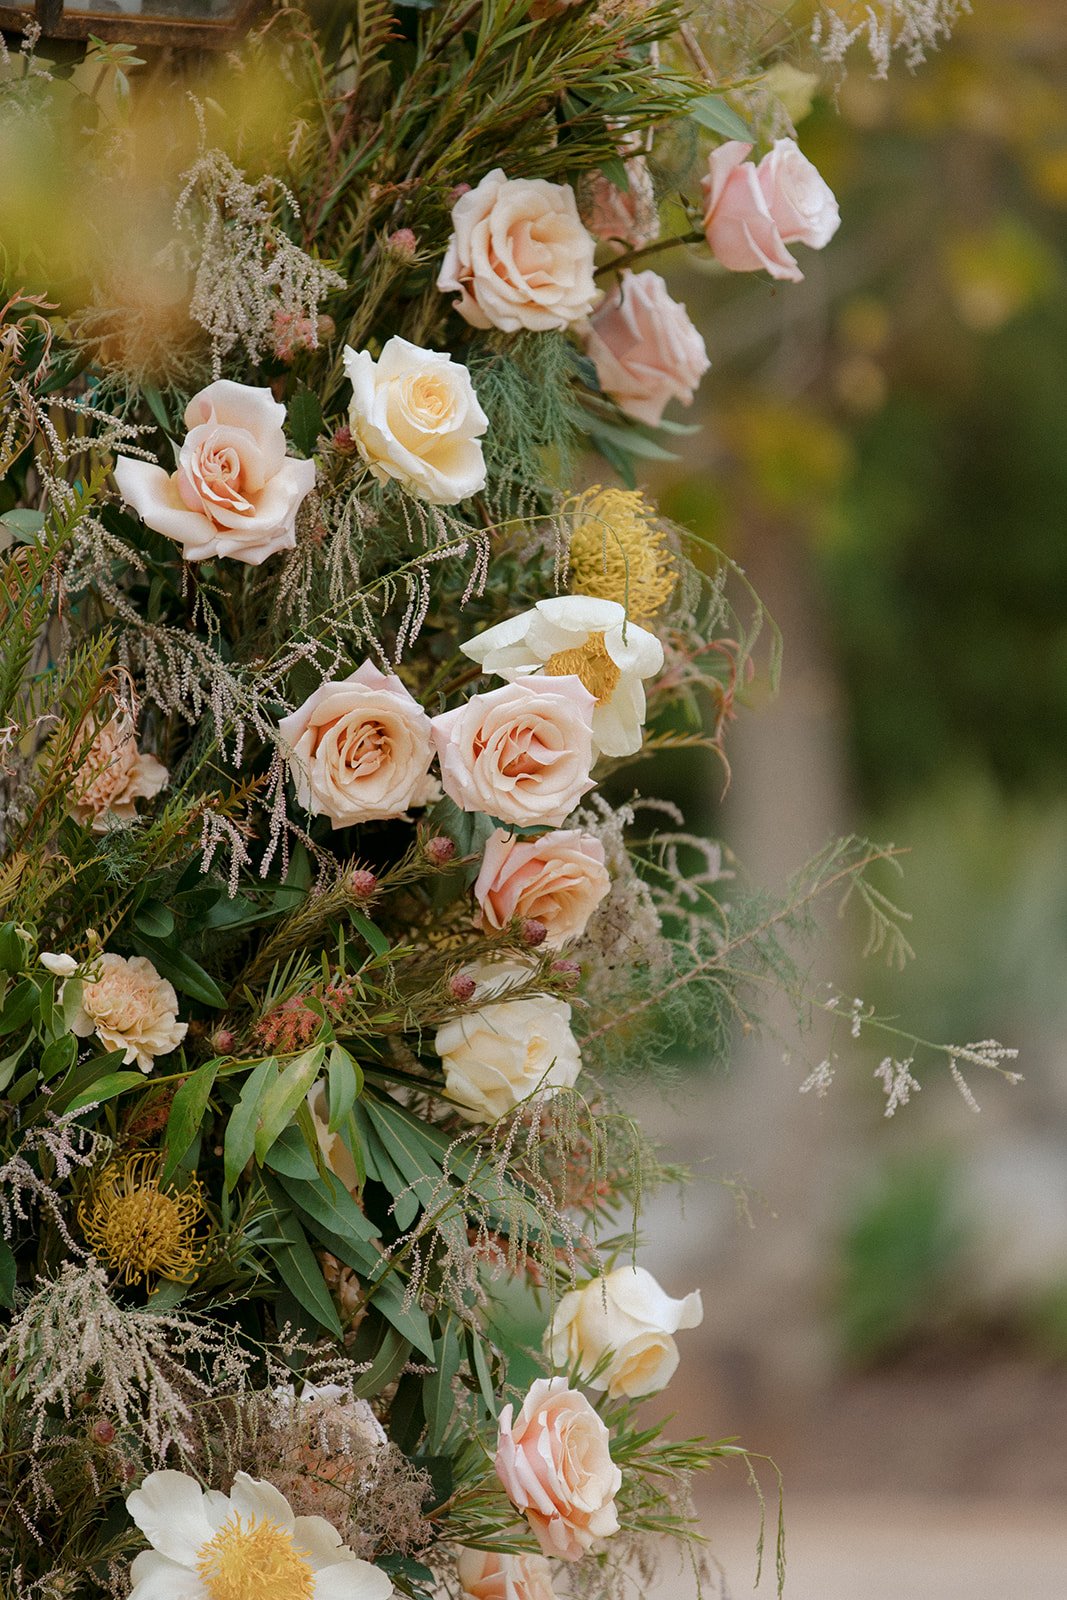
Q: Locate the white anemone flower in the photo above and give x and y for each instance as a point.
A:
(590, 639)
(245, 1545)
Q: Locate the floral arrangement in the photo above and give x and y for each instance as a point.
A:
(331, 926)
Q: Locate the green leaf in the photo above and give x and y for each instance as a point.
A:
(59, 1056)
(299, 1270)
(387, 1365)
(187, 1113)
(14, 948)
(290, 1156)
(240, 1139)
(438, 1400)
(285, 1093)
(628, 439)
(22, 524)
(336, 1211)
(19, 1005)
(9, 1064)
(108, 1087)
(184, 973)
(345, 1081)
(7, 1276)
(304, 414)
(481, 1368)
(155, 919)
(374, 936)
(712, 112)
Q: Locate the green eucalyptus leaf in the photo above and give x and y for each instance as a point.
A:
(187, 1113)
(713, 113)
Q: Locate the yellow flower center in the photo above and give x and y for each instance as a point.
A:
(137, 1227)
(254, 1560)
(591, 663)
(617, 551)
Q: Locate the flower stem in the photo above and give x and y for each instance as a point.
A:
(649, 250)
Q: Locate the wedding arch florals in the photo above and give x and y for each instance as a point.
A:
(334, 624)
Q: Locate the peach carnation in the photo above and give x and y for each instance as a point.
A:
(115, 774)
(126, 1003)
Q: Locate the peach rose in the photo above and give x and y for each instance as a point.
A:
(521, 753)
(751, 213)
(415, 417)
(115, 774)
(554, 1461)
(360, 748)
(626, 216)
(125, 1003)
(644, 347)
(236, 492)
(484, 1575)
(558, 879)
(519, 256)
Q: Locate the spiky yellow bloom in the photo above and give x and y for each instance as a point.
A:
(137, 1227)
(619, 552)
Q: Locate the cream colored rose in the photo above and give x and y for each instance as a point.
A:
(415, 417)
(126, 1004)
(554, 1460)
(557, 879)
(496, 1057)
(521, 753)
(645, 349)
(485, 1575)
(624, 216)
(360, 748)
(752, 213)
(573, 633)
(519, 256)
(625, 1321)
(115, 774)
(236, 492)
(335, 1152)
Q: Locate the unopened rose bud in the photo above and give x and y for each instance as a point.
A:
(103, 1431)
(325, 327)
(567, 973)
(362, 883)
(461, 986)
(440, 849)
(223, 1041)
(532, 932)
(402, 245)
(343, 441)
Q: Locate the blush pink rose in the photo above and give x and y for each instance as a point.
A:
(485, 1575)
(236, 492)
(644, 347)
(751, 213)
(360, 748)
(554, 1461)
(558, 879)
(626, 216)
(519, 256)
(521, 753)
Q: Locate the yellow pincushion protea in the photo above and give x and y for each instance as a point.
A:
(619, 552)
(138, 1227)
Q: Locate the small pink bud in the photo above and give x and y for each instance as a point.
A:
(458, 192)
(567, 973)
(222, 1041)
(362, 883)
(532, 932)
(402, 245)
(343, 441)
(103, 1431)
(325, 327)
(461, 986)
(440, 849)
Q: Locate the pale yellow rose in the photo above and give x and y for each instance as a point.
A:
(623, 1323)
(115, 774)
(415, 418)
(519, 256)
(360, 748)
(521, 753)
(486, 1575)
(557, 879)
(236, 492)
(554, 1460)
(126, 1004)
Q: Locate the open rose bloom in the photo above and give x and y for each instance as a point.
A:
(359, 748)
(416, 419)
(485, 1575)
(557, 879)
(622, 1323)
(236, 492)
(521, 753)
(645, 349)
(753, 212)
(519, 256)
(554, 1460)
(206, 1545)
